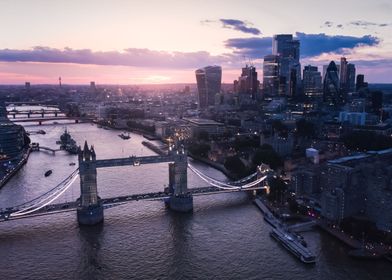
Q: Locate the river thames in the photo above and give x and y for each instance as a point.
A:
(224, 238)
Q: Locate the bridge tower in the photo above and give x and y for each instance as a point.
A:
(180, 199)
(90, 209)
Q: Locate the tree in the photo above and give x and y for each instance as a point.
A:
(246, 142)
(305, 128)
(280, 128)
(266, 154)
(365, 141)
(278, 188)
(199, 149)
(235, 165)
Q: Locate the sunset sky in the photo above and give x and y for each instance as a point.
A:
(142, 42)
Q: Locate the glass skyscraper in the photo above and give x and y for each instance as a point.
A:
(271, 75)
(209, 81)
(312, 81)
(289, 68)
(331, 88)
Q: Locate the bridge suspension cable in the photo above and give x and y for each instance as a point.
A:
(227, 184)
(45, 198)
(224, 185)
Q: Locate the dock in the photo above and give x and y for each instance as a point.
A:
(283, 235)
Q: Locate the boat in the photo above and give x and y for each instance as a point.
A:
(124, 136)
(67, 143)
(293, 245)
(47, 173)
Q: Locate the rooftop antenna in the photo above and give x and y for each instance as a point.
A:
(244, 61)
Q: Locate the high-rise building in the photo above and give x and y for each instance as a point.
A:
(376, 99)
(312, 82)
(343, 75)
(331, 87)
(347, 76)
(27, 86)
(271, 75)
(290, 68)
(285, 46)
(247, 83)
(209, 81)
(351, 77)
(361, 82)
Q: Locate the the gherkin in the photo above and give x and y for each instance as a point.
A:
(331, 88)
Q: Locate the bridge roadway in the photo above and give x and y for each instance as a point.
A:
(101, 163)
(113, 201)
(33, 112)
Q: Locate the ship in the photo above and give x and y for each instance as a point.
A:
(67, 143)
(292, 244)
(124, 136)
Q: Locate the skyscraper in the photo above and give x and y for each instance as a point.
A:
(351, 77)
(347, 76)
(271, 75)
(208, 84)
(247, 83)
(289, 68)
(312, 82)
(286, 46)
(361, 82)
(343, 78)
(331, 88)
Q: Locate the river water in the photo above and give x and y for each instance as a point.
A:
(224, 238)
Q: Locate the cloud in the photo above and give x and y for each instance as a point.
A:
(254, 47)
(239, 25)
(316, 44)
(365, 24)
(129, 57)
(311, 44)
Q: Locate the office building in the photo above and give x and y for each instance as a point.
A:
(331, 87)
(289, 68)
(312, 82)
(208, 84)
(271, 75)
(247, 83)
(351, 77)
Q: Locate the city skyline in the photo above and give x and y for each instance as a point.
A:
(102, 41)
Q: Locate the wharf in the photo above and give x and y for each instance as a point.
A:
(289, 240)
(18, 166)
(353, 243)
(154, 148)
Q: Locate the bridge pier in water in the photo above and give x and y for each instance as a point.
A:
(90, 209)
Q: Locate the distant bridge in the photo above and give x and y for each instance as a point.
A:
(59, 118)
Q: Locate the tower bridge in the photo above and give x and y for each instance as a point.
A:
(90, 207)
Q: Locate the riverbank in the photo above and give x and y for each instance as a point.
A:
(14, 170)
(154, 148)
